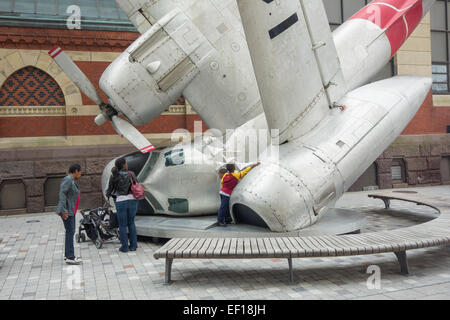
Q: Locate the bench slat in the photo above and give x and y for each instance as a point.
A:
(302, 244)
(345, 246)
(363, 246)
(255, 248)
(233, 247)
(333, 244)
(178, 253)
(292, 249)
(226, 248)
(269, 248)
(187, 251)
(247, 247)
(202, 252)
(198, 246)
(284, 249)
(299, 251)
(210, 252)
(278, 253)
(219, 247)
(378, 243)
(262, 247)
(331, 251)
(314, 247)
(171, 253)
(240, 247)
(162, 252)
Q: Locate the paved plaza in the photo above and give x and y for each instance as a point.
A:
(32, 267)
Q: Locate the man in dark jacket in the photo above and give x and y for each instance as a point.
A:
(69, 199)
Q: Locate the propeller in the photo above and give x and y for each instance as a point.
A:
(108, 113)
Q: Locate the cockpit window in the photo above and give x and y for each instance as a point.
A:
(178, 205)
(148, 166)
(174, 158)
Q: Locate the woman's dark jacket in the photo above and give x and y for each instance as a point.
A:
(120, 185)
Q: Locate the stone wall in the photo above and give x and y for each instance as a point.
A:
(422, 156)
(35, 166)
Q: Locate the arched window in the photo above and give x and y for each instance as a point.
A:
(30, 86)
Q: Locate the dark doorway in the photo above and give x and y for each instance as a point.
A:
(51, 191)
(368, 181)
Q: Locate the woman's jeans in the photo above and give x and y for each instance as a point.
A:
(126, 212)
(224, 211)
(69, 225)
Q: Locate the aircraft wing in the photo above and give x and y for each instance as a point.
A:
(295, 61)
(224, 93)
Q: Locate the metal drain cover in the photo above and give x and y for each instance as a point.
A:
(33, 221)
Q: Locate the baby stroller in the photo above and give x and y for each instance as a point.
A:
(99, 225)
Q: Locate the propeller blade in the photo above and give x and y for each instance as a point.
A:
(129, 132)
(75, 74)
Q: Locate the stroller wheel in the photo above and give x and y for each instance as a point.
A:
(77, 238)
(98, 243)
(83, 237)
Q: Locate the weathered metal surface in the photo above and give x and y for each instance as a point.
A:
(198, 49)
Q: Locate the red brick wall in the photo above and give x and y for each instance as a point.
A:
(18, 127)
(429, 119)
(77, 40)
(93, 71)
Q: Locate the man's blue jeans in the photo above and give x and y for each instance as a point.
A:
(224, 211)
(69, 225)
(126, 212)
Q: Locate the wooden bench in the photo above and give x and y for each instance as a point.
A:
(430, 234)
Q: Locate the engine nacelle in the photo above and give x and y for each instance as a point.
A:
(153, 72)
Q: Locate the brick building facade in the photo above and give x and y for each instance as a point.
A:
(46, 123)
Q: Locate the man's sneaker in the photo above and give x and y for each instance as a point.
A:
(74, 261)
(222, 224)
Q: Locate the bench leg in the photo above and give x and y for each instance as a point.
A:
(168, 275)
(387, 203)
(403, 260)
(291, 271)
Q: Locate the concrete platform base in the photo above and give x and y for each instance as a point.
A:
(337, 221)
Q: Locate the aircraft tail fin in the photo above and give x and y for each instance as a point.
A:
(295, 62)
(324, 49)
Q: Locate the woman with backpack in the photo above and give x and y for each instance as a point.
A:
(120, 188)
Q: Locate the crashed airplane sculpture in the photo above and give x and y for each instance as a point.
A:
(252, 65)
